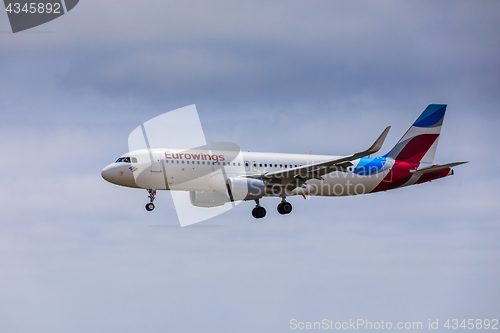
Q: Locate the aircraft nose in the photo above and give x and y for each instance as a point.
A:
(107, 173)
(119, 175)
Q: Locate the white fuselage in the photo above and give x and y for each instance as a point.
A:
(174, 169)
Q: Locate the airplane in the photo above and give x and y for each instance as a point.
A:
(217, 174)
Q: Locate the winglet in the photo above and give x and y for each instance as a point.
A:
(377, 144)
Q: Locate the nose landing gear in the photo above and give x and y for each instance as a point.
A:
(152, 194)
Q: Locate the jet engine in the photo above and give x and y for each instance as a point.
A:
(243, 188)
(208, 199)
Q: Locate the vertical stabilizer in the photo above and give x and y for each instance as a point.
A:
(419, 143)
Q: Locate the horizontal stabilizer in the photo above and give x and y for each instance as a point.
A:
(437, 168)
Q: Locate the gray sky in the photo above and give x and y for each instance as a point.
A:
(78, 254)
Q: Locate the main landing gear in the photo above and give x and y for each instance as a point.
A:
(258, 212)
(284, 207)
(150, 206)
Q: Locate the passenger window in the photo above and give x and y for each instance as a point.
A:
(260, 165)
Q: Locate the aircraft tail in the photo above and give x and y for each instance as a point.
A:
(419, 143)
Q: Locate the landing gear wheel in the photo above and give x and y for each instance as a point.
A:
(284, 208)
(259, 212)
(152, 194)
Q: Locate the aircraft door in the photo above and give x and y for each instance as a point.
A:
(156, 162)
(247, 166)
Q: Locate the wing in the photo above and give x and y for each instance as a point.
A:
(316, 170)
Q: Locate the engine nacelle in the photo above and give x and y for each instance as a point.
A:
(208, 199)
(246, 188)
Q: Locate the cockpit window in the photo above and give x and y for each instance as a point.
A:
(126, 160)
